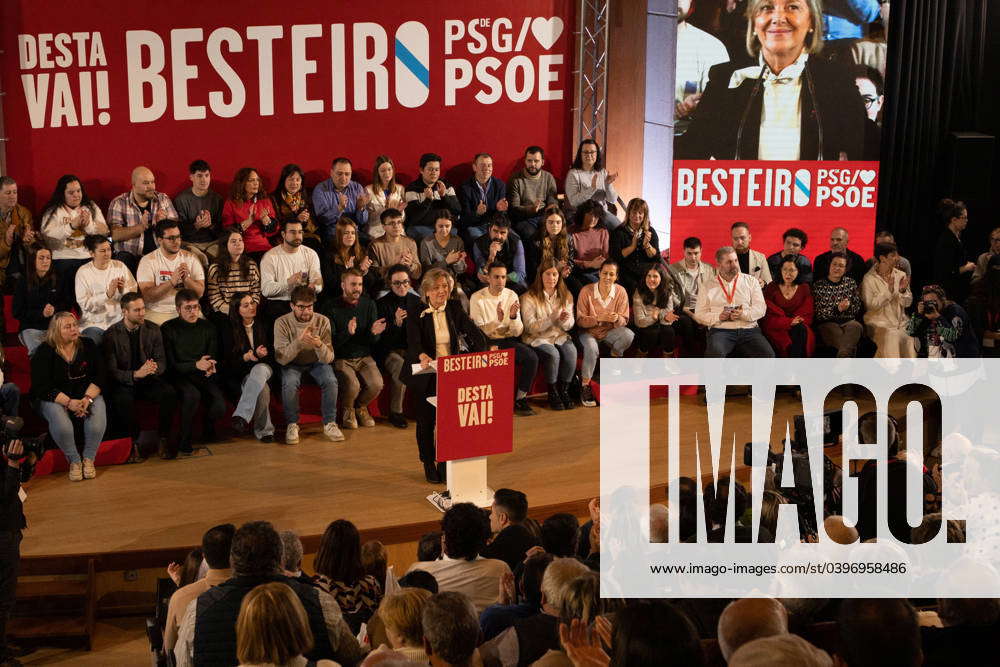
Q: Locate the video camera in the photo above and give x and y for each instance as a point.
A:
(10, 430)
(930, 306)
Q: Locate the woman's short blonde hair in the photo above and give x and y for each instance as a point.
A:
(272, 626)
(432, 278)
(814, 39)
(401, 612)
(52, 334)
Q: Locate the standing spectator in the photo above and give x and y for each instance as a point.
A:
(589, 180)
(839, 239)
(136, 363)
(67, 377)
(444, 250)
(751, 261)
(837, 305)
(984, 308)
(133, 215)
(232, 272)
(499, 245)
(192, 346)
(788, 320)
(425, 195)
(553, 244)
(427, 339)
(634, 245)
(532, 190)
(285, 267)
(383, 193)
(346, 252)
(100, 285)
(339, 572)
(393, 308)
(729, 306)
(511, 540)
(952, 267)
(984, 259)
(481, 196)
(292, 202)
(17, 231)
(303, 344)
(794, 240)
(941, 328)
(37, 298)
(394, 247)
(356, 329)
(592, 242)
(167, 270)
(602, 313)
(497, 312)
(654, 312)
(886, 293)
(199, 211)
(68, 217)
(339, 196)
(547, 313)
(248, 354)
(250, 210)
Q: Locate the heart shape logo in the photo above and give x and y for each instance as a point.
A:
(867, 176)
(547, 31)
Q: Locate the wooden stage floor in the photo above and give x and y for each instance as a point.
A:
(373, 478)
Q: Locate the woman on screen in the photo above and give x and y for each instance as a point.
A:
(790, 105)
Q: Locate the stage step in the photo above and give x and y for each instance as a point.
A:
(39, 629)
(55, 602)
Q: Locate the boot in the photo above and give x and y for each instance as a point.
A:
(555, 400)
(431, 473)
(442, 470)
(567, 400)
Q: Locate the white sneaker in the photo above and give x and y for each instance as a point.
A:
(76, 472)
(292, 434)
(332, 431)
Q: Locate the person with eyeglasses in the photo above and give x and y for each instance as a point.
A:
(390, 352)
(165, 271)
(394, 247)
(588, 180)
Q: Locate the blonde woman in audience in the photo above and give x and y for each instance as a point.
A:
(401, 613)
(885, 291)
(383, 193)
(273, 629)
(547, 313)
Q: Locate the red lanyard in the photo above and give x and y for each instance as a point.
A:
(729, 295)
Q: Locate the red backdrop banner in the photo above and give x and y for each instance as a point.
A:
(475, 415)
(710, 195)
(96, 88)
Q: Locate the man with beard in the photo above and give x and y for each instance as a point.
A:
(838, 244)
(499, 245)
(356, 328)
(529, 191)
(133, 215)
(729, 306)
(284, 267)
(751, 261)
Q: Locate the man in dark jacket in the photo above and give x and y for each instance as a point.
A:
(207, 634)
(11, 524)
(511, 540)
(135, 359)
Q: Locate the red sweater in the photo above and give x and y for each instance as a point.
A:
(254, 238)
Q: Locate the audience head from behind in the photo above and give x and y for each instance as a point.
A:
(419, 579)
(451, 629)
(465, 530)
(339, 555)
(429, 546)
(217, 544)
(556, 580)
(256, 550)
(658, 523)
(291, 553)
(781, 651)
(745, 620)
(375, 560)
(168, 233)
(531, 579)
(968, 612)
(133, 309)
(510, 507)
(303, 300)
(560, 533)
(654, 632)
(402, 614)
(272, 628)
(717, 501)
(186, 302)
(931, 526)
(878, 632)
(687, 498)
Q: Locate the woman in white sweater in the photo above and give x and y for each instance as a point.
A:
(885, 291)
(383, 193)
(100, 285)
(588, 179)
(547, 313)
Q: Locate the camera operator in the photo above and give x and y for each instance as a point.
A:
(942, 328)
(11, 524)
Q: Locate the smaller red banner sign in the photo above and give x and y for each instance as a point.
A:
(475, 415)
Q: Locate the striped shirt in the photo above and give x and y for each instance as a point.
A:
(220, 289)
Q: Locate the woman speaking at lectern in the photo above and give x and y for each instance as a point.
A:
(790, 105)
(436, 327)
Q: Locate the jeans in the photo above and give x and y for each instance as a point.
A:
(10, 399)
(722, 342)
(32, 338)
(61, 428)
(527, 228)
(255, 400)
(470, 234)
(524, 358)
(618, 338)
(559, 361)
(291, 380)
(352, 375)
(95, 334)
(419, 232)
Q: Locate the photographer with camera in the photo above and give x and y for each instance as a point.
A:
(11, 524)
(942, 328)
